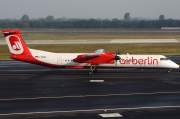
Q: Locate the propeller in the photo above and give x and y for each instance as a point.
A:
(116, 57)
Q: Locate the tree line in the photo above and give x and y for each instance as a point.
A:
(50, 22)
(91, 23)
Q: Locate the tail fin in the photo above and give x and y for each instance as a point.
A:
(16, 44)
(19, 50)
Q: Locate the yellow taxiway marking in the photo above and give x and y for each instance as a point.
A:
(83, 96)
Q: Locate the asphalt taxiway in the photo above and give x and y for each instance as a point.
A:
(32, 91)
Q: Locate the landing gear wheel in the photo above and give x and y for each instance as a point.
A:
(169, 70)
(95, 71)
(90, 73)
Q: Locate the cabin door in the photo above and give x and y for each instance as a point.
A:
(59, 61)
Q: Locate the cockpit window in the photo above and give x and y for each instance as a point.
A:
(164, 58)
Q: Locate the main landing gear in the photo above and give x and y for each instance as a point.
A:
(93, 69)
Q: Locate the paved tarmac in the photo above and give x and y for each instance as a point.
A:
(31, 91)
(98, 41)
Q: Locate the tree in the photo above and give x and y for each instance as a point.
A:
(50, 18)
(127, 16)
(25, 18)
(161, 17)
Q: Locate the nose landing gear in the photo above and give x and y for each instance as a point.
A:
(169, 70)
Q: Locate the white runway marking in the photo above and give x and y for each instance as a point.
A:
(110, 115)
(92, 110)
(99, 81)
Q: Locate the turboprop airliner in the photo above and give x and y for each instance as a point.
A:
(99, 58)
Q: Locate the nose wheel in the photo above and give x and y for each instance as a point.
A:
(169, 70)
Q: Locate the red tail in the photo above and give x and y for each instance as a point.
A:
(16, 44)
(19, 50)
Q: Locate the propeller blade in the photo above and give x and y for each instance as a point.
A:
(116, 57)
(118, 52)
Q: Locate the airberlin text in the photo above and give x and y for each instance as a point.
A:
(141, 61)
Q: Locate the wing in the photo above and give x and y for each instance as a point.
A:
(96, 58)
(95, 54)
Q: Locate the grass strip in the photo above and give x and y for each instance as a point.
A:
(163, 49)
(97, 35)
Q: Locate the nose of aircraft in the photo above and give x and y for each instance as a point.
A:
(175, 65)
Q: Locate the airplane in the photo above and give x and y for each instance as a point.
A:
(99, 58)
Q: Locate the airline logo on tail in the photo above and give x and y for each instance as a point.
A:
(14, 44)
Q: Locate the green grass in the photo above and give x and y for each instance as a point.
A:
(163, 49)
(90, 34)
(94, 35)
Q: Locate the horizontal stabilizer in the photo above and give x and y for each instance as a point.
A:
(11, 32)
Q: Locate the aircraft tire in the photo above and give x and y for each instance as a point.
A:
(90, 73)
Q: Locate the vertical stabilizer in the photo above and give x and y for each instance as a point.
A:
(16, 45)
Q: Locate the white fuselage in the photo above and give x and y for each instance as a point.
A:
(137, 61)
